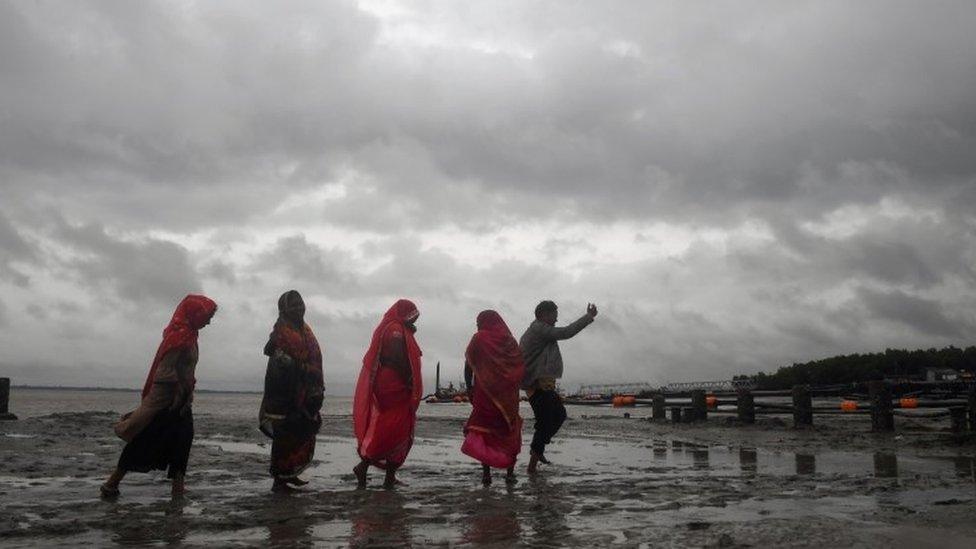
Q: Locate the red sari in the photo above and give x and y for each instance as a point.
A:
(493, 433)
(389, 390)
(181, 333)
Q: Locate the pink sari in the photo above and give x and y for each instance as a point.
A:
(493, 433)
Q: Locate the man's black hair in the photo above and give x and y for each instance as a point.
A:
(544, 307)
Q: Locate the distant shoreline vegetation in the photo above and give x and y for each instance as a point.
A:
(895, 364)
(120, 390)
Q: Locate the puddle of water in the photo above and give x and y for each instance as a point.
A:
(663, 457)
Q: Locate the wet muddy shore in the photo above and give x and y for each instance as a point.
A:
(614, 481)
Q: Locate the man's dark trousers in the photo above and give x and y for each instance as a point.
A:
(549, 417)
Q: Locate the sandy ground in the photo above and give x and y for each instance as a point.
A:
(615, 481)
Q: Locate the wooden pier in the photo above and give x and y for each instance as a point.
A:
(881, 400)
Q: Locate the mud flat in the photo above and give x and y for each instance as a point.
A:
(615, 481)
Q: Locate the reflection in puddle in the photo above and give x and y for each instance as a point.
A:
(965, 466)
(295, 527)
(885, 465)
(806, 464)
(380, 518)
(747, 461)
(699, 457)
(493, 520)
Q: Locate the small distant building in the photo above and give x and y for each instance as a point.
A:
(941, 374)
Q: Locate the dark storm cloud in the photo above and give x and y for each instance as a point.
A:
(699, 120)
(143, 270)
(842, 133)
(307, 264)
(13, 248)
(924, 315)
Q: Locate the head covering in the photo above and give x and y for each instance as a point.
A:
(292, 335)
(181, 333)
(401, 315)
(496, 361)
(291, 307)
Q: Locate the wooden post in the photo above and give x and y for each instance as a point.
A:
(746, 406)
(698, 405)
(802, 406)
(657, 407)
(972, 409)
(882, 415)
(676, 414)
(958, 416)
(5, 399)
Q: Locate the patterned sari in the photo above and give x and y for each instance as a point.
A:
(294, 389)
(159, 432)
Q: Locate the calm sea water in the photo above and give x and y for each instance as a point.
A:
(39, 402)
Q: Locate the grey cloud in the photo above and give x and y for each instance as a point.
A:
(147, 269)
(727, 114)
(219, 270)
(13, 248)
(324, 270)
(204, 121)
(925, 315)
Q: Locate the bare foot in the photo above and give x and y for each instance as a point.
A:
(391, 480)
(108, 491)
(510, 476)
(281, 487)
(360, 472)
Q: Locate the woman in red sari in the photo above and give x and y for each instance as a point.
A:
(160, 431)
(388, 393)
(293, 392)
(493, 371)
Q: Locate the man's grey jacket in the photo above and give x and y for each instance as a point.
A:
(540, 349)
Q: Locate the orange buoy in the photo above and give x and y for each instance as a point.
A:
(908, 402)
(628, 400)
(457, 398)
(711, 401)
(617, 401)
(848, 405)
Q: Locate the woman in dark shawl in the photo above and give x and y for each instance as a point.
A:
(160, 431)
(494, 366)
(388, 393)
(293, 392)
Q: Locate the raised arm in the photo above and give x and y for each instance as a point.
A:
(568, 331)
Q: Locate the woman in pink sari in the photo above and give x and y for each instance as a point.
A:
(494, 366)
(388, 393)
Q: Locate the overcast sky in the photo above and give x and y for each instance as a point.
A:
(737, 185)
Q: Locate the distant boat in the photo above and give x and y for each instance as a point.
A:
(446, 395)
